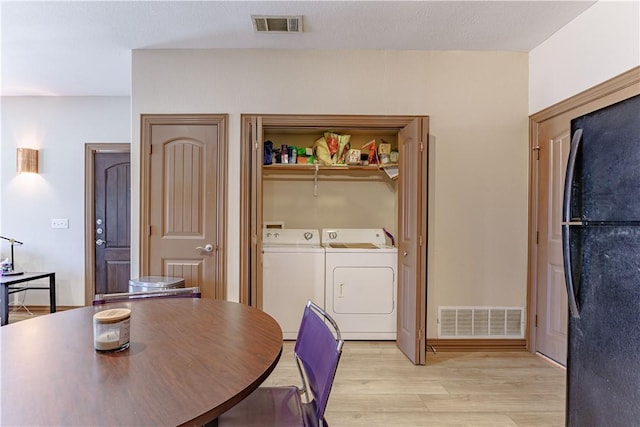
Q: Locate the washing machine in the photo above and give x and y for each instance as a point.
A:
(361, 282)
(292, 274)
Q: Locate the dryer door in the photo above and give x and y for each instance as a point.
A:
(363, 290)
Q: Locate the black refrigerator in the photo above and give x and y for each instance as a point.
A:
(601, 248)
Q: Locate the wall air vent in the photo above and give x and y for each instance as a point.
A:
(480, 322)
(277, 24)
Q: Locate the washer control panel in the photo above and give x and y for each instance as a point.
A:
(290, 236)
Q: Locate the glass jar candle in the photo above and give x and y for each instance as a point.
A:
(111, 329)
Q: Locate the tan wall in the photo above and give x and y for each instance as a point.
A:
(477, 103)
(341, 202)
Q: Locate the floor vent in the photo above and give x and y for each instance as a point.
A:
(480, 322)
(277, 24)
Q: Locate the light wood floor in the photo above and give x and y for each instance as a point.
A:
(377, 386)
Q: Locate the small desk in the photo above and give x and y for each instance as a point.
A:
(7, 289)
(189, 361)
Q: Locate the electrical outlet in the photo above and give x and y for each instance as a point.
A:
(59, 223)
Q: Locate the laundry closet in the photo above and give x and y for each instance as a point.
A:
(348, 206)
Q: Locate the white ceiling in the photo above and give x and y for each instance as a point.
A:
(78, 48)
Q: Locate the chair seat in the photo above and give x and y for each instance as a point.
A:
(270, 406)
(317, 353)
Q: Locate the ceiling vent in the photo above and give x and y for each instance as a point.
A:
(277, 24)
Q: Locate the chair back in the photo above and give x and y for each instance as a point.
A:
(318, 350)
(193, 292)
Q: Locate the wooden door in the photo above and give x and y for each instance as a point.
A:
(112, 230)
(186, 191)
(118, 258)
(247, 260)
(550, 140)
(412, 240)
(256, 217)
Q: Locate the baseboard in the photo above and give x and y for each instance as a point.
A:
(39, 309)
(477, 344)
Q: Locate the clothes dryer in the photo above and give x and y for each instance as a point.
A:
(361, 282)
(292, 273)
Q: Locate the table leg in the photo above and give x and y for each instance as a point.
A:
(52, 293)
(4, 305)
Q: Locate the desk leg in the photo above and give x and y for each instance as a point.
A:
(52, 293)
(4, 305)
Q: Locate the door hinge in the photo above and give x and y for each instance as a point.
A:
(419, 335)
(537, 150)
(537, 237)
(536, 321)
(420, 241)
(421, 146)
(255, 146)
(149, 231)
(150, 149)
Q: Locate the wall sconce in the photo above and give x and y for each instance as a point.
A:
(27, 160)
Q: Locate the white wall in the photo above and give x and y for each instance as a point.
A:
(59, 127)
(601, 43)
(477, 102)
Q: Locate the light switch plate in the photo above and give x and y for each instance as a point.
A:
(59, 223)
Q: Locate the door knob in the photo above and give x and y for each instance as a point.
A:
(207, 248)
(101, 242)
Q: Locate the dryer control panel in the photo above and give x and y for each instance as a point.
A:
(374, 236)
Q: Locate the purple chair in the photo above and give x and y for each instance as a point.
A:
(317, 353)
(193, 292)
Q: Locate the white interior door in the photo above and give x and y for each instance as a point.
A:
(551, 331)
(412, 240)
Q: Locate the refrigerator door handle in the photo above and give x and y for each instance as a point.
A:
(566, 218)
(568, 180)
(568, 273)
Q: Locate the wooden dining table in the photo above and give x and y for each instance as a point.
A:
(189, 361)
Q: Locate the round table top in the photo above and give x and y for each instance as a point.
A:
(189, 361)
